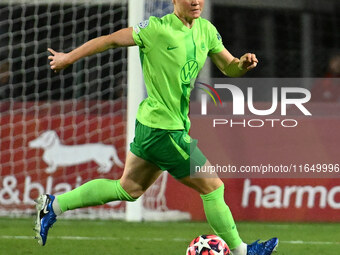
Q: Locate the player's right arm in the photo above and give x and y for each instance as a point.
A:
(121, 38)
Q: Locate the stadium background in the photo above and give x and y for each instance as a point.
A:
(87, 103)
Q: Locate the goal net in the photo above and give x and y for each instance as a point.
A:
(58, 131)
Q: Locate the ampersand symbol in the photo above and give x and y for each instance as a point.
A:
(8, 194)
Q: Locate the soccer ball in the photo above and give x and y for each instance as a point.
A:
(208, 245)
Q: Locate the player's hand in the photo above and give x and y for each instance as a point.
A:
(59, 60)
(248, 61)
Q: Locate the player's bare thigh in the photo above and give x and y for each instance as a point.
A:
(203, 184)
(138, 175)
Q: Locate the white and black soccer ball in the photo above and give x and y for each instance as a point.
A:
(208, 245)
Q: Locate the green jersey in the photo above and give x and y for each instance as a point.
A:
(171, 56)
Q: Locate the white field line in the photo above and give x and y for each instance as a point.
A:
(87, 238)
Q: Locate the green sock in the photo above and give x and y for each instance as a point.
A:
(220, 218)
(96, 192)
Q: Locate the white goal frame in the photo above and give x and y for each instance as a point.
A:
(135, 94)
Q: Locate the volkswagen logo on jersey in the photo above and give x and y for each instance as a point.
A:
(189, 71)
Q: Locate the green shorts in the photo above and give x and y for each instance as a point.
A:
(171, 150)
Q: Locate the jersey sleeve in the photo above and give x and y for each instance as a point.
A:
(145, 33)
(215, 40)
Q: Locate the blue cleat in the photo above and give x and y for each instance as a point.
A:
(45, 217)
(265, 248)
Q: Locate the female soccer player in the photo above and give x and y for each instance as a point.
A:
(173, 50)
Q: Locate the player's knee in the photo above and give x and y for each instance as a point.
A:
(209, 188)
(202, 185)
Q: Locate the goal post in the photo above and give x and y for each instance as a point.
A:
(135, 94)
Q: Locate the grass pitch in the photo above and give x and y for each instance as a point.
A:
(88, 237)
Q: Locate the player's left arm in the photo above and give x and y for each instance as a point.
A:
(231, 66)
